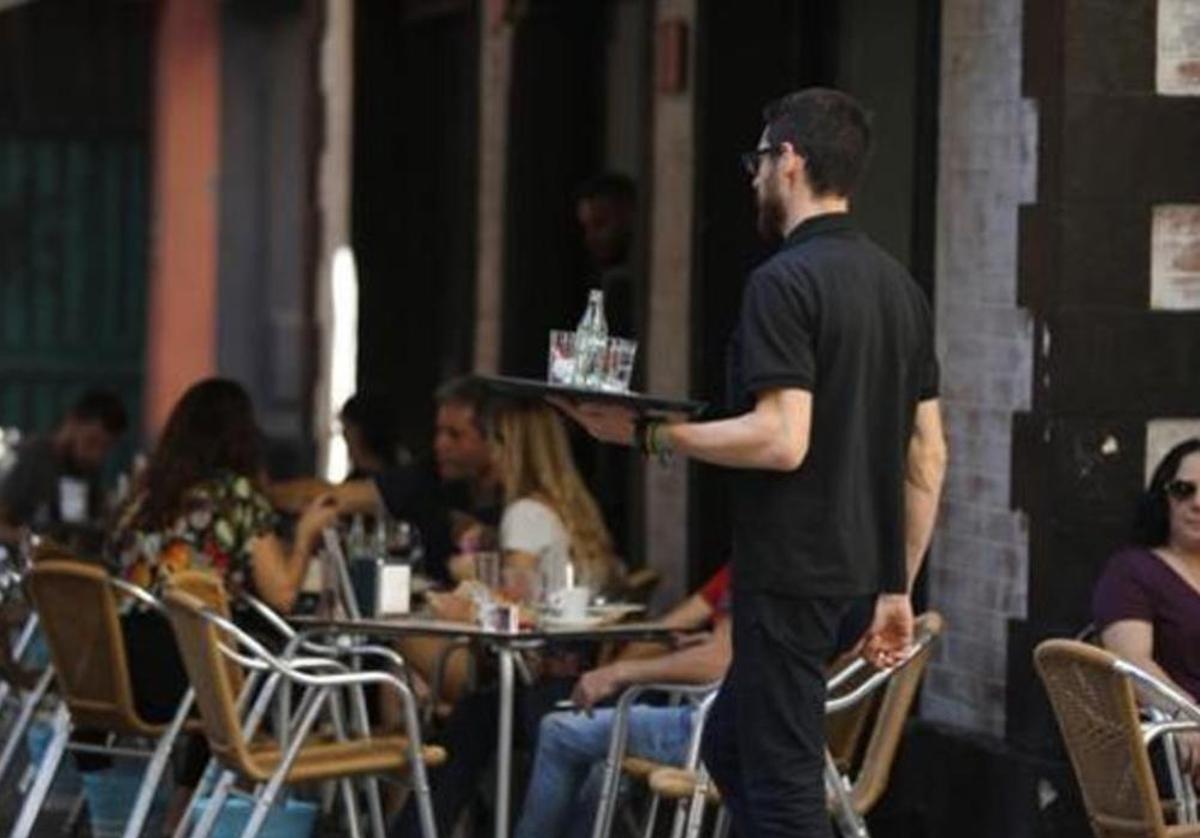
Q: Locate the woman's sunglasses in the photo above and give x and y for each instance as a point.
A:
(1180, 489)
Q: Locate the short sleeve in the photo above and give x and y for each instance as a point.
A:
(1122, 592)
(778, 328)
(929, 371)
(716, 588)
(528, 526)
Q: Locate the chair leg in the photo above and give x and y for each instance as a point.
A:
(29, 705)
(266, 798)
(45, 775)
(345, 785)
(374, 798)
(651, 816)
(721, 825)
(849, 822)
(212, 811)
(156, 767)
(695, 818)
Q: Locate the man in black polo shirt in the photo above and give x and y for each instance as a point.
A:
(835, 435)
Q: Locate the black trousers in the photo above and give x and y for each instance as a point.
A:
(764, 742)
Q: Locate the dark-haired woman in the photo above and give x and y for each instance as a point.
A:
(199, 505)
(1147, 602)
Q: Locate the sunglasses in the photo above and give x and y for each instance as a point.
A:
(750, 159)
(1180, 489)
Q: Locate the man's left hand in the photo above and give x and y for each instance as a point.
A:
(606, 422)
(891, 634)
(596, 685)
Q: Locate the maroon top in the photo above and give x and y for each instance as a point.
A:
(1138, 585)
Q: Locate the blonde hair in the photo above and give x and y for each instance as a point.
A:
(534, 460)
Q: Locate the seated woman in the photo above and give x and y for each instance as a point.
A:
(549, 520)
(1147, 602)
(199, 505)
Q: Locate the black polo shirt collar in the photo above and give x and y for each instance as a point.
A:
(832, 222)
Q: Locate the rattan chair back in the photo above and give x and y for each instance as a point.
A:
(1097, 713)
(210, 674)
(77, 609)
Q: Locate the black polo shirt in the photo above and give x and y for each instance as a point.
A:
(833, 314)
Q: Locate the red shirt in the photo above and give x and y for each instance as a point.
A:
(716, 592)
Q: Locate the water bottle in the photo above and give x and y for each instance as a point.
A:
(591, 336)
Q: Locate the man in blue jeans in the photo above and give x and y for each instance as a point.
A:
(562, 794)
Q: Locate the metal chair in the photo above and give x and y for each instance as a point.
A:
(211, 591)
(853, 692)
(77, 607)
(1093, 697)
(206, 640)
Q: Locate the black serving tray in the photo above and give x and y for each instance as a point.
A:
(505, 385)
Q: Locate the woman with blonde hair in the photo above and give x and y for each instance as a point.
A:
(550, 518)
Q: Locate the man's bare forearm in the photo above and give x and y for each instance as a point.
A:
(925, 472)
(700, 664)
(773, 436)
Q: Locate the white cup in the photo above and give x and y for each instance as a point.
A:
(571, 603)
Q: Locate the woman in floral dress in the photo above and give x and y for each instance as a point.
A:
(199, 505)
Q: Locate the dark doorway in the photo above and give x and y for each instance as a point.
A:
(885, 54)
(556, 137)
(75, 95)
(416, 89)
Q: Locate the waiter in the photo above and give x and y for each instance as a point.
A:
(837, 446)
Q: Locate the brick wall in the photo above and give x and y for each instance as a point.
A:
(978, 569)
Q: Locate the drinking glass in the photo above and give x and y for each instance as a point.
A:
(617, 369)
(487, 569)
(560, 368)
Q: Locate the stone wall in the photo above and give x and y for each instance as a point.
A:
(977, 572)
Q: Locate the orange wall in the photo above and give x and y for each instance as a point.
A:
(181, 331)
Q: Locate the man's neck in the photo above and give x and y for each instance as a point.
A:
(807, 206)
(484, 489)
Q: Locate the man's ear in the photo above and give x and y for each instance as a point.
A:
(794, 163)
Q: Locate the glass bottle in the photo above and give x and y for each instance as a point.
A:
(591, 336)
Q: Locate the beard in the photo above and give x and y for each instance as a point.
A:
(771, 216)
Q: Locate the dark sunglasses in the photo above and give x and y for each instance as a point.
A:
(1180, 489)
(750, 159)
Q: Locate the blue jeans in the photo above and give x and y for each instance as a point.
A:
(567, 770)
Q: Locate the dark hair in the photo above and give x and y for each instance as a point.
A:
(102, 407)
(374, 414)
(1152, 521)
(210, 430)
(830, 129)
(612, 186)
(467, 391)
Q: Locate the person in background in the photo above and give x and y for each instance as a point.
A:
(563, 790)
(452, 499)
(55, 480)
(549, 520)
(371, 429)
(606, 208)
(1146, 604)
(199, 505)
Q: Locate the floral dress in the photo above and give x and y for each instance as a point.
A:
(220, 518)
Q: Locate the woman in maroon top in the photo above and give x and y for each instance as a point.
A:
(1147, 602)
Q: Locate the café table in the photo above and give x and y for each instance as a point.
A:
(506, 646)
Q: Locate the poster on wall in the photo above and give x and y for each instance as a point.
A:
(1178, 71)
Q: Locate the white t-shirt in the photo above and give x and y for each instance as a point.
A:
(530, 526)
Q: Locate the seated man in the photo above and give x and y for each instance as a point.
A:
(54, 485)
(571, 745)
(448, 499)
